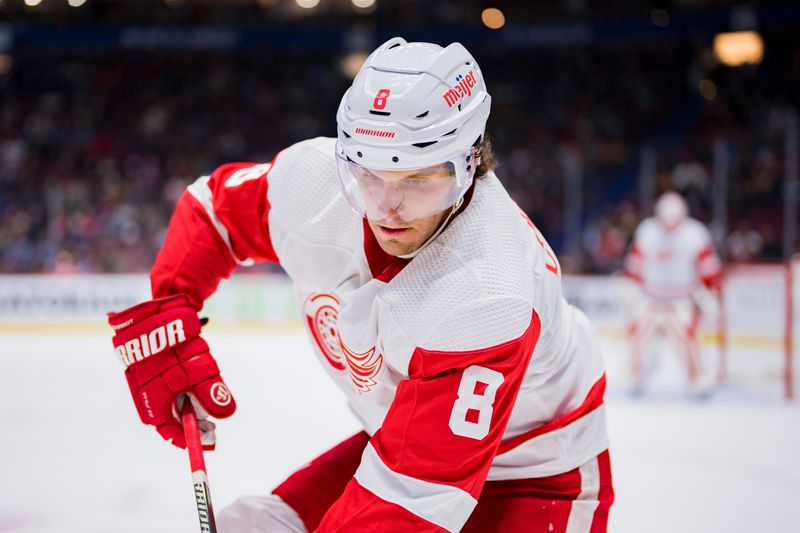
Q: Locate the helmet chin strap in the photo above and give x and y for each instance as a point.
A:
(436, 233)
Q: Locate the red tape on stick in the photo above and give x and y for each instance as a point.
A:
(198, 465)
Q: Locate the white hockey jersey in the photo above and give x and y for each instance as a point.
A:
(672, 263)
(464, 363)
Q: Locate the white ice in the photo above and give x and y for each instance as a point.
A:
(75, 458)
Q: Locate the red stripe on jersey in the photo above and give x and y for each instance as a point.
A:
(194, 257)
(706, 253)
(605, 496)
(593, 400)
(243, 208)
(426, 363)
(633, 263)
(710, 267)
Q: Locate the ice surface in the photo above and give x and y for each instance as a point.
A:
(75, 458)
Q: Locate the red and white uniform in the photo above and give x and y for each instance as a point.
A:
(464, 364)
(672, 263)
(673, 266)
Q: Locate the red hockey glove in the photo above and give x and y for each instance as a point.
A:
(159, 343)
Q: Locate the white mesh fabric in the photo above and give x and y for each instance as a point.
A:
(473, 286)
(479, 324)
(305, 198)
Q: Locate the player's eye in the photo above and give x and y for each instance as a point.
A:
(368, 176)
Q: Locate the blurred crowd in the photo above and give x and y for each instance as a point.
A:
(95, 151)
(96, 148)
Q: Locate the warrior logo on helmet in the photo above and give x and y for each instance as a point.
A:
(322, 316)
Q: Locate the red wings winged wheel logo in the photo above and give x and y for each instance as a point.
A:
(322, 316)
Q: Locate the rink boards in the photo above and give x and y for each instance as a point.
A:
(760, 320)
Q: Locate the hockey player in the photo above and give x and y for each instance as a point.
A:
(673, 261)
(430, 299)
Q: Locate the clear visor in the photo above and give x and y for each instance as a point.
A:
(397, 196)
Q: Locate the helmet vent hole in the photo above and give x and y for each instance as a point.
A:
(467, 62)
(451, 132)
(422, 115)
(359, 154)
(423, 145)
(381, 113)
(459, 107)
(346, 134)
(395, 159)
(395, 45)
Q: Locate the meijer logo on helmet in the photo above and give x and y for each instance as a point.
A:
(151, 343)
(462, 88)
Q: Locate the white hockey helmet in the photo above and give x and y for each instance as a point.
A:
(412, 106)
(671, 209)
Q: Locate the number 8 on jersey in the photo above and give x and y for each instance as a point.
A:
(472, 412)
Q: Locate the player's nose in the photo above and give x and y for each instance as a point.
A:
(390, 202)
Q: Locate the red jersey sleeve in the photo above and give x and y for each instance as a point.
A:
(424, 469)
(220, 221)
(632, 267)
(709, 266)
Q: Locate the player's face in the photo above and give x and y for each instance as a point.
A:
(402, 239)
(391, 195)
(395, 196)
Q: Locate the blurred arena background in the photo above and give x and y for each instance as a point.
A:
(109, 108)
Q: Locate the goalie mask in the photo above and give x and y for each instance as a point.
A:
(408, 129)
(671, 210)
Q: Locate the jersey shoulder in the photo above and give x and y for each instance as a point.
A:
(305, 199)
(692, 236)
(304, 165)
(473, 286)
(697, 229)
(235, 173)
(648, 228)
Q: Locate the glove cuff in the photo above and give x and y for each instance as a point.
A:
(128, 317)
(151, 327)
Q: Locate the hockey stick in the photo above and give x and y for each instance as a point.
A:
(198, 465)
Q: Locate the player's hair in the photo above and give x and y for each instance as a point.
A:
(488, 159)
